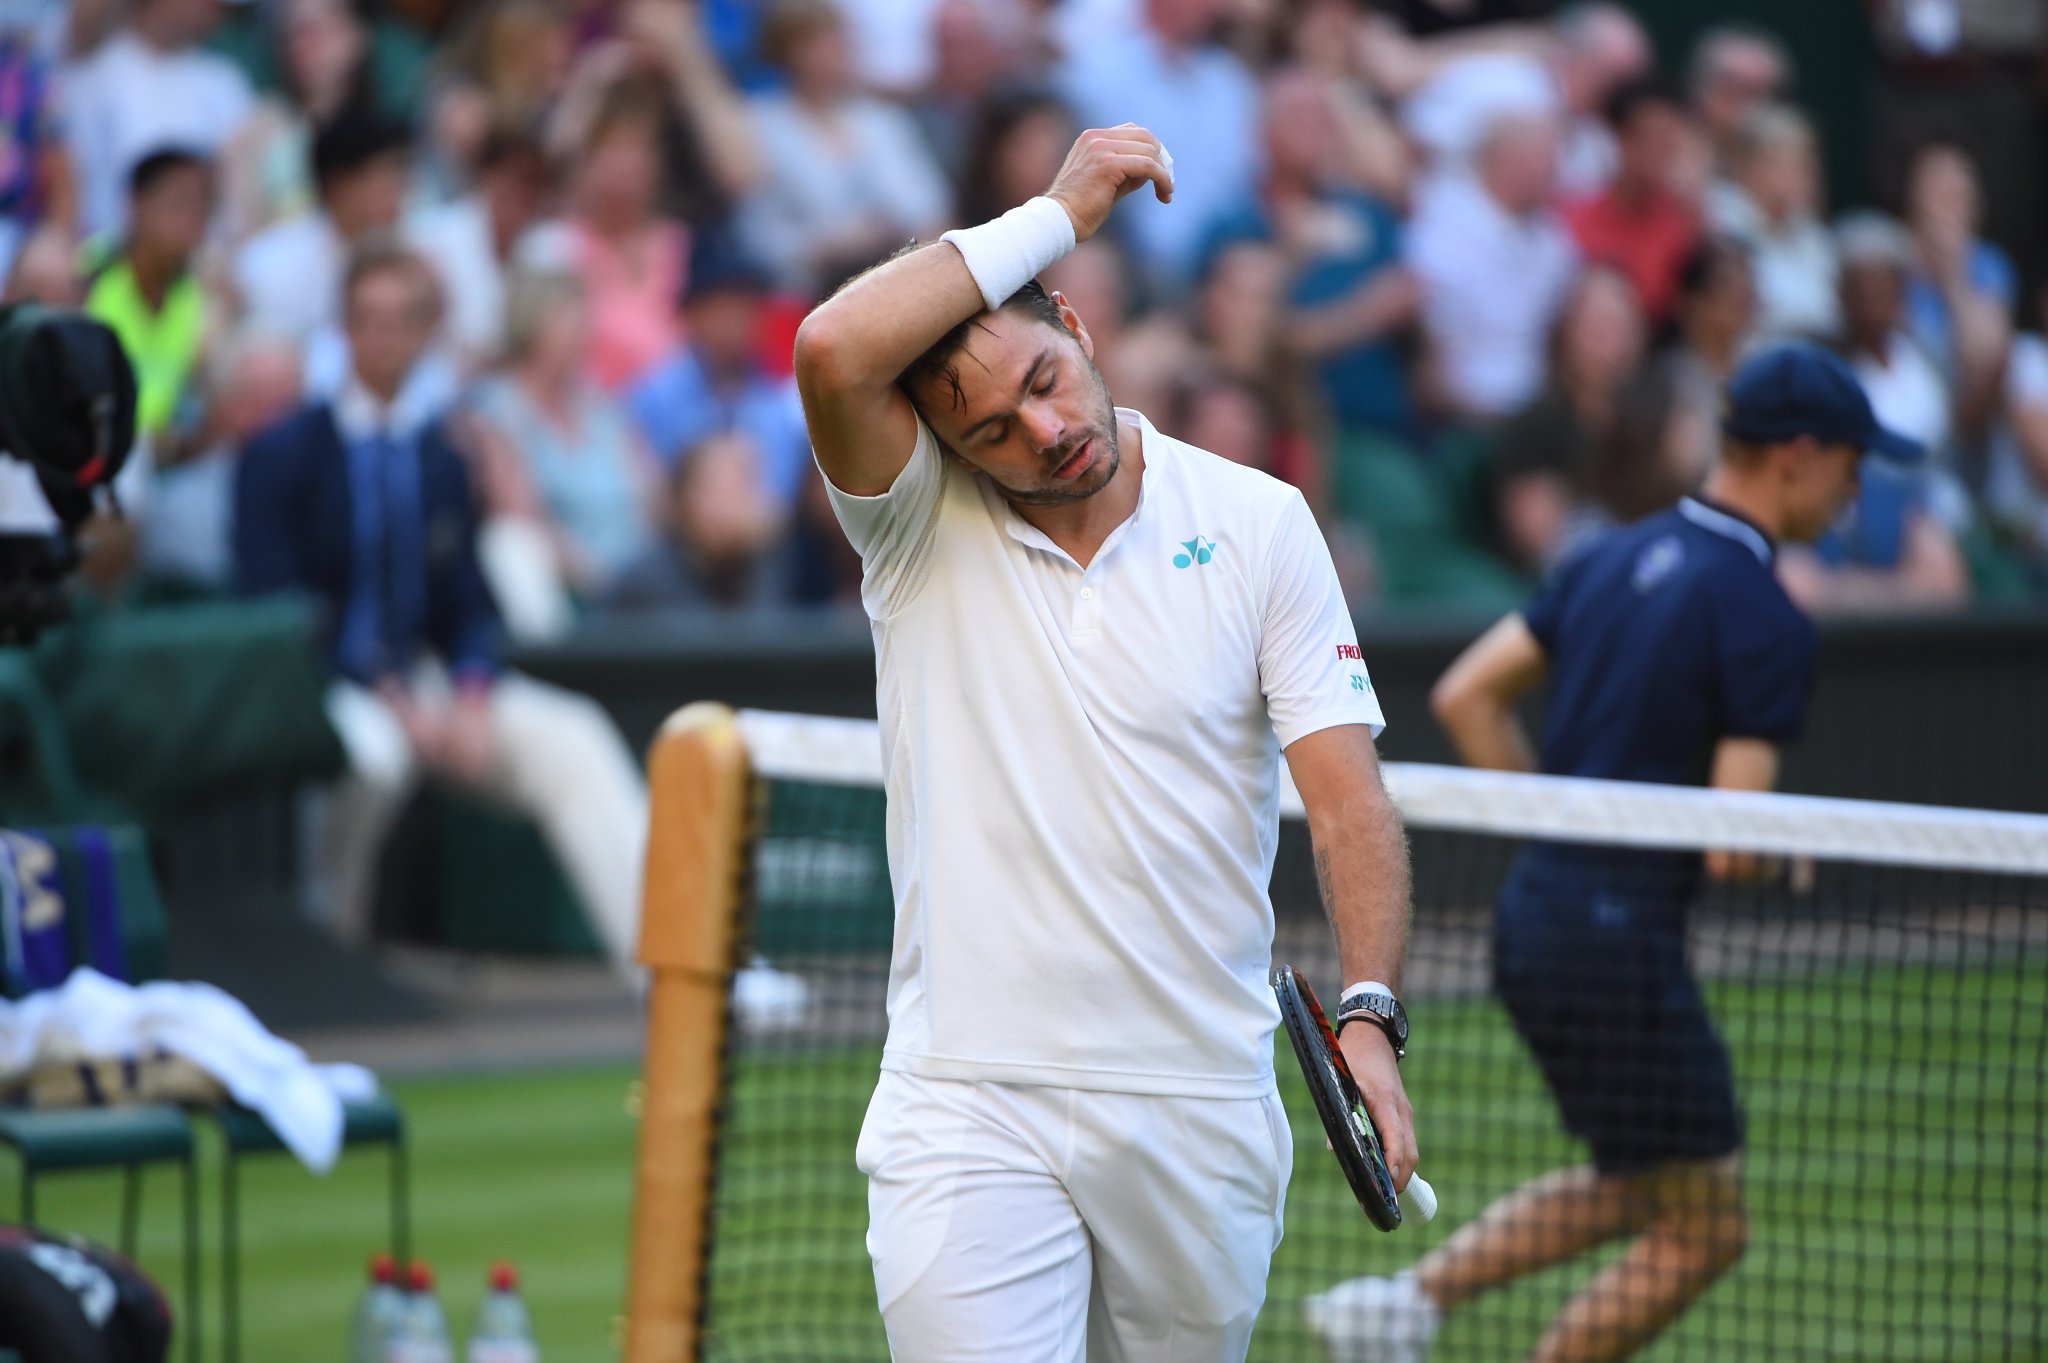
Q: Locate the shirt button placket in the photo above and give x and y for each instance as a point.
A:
(1088, 611)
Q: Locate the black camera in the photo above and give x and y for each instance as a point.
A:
(67, 409)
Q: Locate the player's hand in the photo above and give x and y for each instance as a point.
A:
(1105, 165)
(1371, 1057)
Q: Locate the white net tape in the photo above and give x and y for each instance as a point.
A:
(828, 751)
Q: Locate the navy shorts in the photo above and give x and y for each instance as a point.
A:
(1590, 962)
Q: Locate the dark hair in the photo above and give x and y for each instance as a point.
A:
(1630, 98)
(508, 143)
(789, 24)
(938, 363)
(162, 162)
(352, 141)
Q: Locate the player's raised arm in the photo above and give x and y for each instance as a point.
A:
(853, 348)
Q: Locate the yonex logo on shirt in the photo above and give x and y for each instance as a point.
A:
(1198, 550)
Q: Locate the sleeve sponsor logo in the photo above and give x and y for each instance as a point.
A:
(1350, 652)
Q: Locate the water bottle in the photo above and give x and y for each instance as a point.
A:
(503, 1333)
(379, 1312)
(422, 1336)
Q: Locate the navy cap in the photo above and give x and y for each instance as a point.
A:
(1797, 388)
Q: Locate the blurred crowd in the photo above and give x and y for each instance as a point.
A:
(1469, 273)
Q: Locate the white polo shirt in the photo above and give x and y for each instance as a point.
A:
(1082, 768)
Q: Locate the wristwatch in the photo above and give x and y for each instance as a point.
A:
(1382, 1010)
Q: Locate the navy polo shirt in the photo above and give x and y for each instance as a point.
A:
(1665, 637)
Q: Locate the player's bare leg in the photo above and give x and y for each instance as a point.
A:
(1699, 1231)
(1554, 1217)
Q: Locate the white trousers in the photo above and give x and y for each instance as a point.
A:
(557, 758)
(1019, 1224)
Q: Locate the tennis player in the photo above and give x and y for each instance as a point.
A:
(1675, 657)
(1092, 643)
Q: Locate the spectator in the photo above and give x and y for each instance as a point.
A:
(661, 48)
(1598, 50)
(363, 504)
(1202, 103)
(1893, 547)
(1734, 72)
(1876, 257)
(1548, 460)
(289, 276)
(505, 66)
(1349, 304)
(323, 64)
(36, 191)
(1667, 432)
(1455, 88)
(2012, 458)
(631, 257)
(722, 536)
(846, 177)
(252, 382)
(905, 49)
(513, 60)
(1959, 300)
(562, 458)
(1772, 206)
(1236, 310)
(150, 85)
(44, 270)
(976, 47)
(719, 384)
(474, 241)
(1494, 262)
(1637, 223)
(146, 290)
(1020, 139)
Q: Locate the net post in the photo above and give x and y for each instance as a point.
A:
(700, 793)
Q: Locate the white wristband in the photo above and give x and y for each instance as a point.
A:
(1006, 254)
(1364, 987)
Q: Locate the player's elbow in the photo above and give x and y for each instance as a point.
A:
(821, 354)
(1451, 700)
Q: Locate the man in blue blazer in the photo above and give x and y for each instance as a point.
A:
(364, 505)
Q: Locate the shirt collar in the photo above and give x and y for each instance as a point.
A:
(1024, 532)
(1729, 524)
(361, 415)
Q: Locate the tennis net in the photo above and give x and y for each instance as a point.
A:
(1879, 976)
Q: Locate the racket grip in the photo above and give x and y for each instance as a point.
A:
(1421, 1198)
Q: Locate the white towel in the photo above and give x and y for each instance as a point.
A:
(91, 1017)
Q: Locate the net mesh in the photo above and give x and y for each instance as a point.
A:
(1881, 986)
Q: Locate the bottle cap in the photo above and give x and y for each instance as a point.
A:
(504, 1277)
(420, 1276)
(383, 1269)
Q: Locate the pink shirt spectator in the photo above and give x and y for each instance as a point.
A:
(633, 293)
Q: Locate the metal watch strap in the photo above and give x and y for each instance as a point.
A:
(1375, 1007)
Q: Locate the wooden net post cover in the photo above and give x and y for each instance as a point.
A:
(699, 796)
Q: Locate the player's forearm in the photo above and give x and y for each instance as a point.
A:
(1487, 734)
(1361, 855)
(868, 333)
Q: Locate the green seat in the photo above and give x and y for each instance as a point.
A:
(96, 1137)
(69, 1140)
(1419, 510)
(501, 888)
(377, 1121)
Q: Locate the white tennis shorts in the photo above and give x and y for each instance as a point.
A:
(1021, 1224)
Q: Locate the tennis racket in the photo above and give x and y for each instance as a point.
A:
(1351, 1132)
